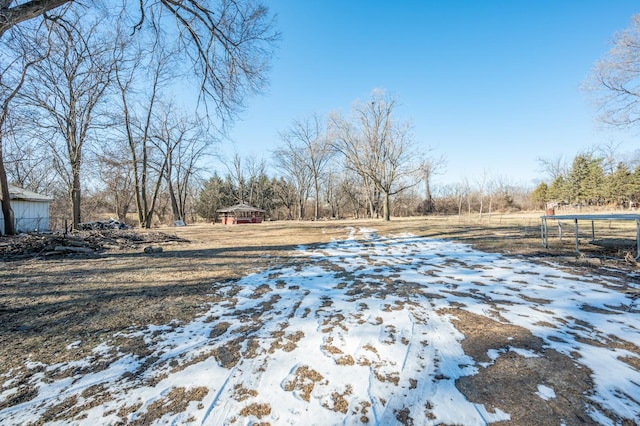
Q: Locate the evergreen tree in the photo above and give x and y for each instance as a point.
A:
(585, 182)
(618, 185)
(594, 186)
(557, 191)
(539, 195)
(634, 185)
(215, 194)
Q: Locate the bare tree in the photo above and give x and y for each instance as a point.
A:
(67, 87)
(286, 194)
(633, 160)
(139, 102)
(459, 192)
(164, 146)
(14, 12)
(377, 147)
(309, 146)
(255, 171)
(229, 43)
(181, 143)
(482, 188)
(18, 54)
(295, 168)
(333, 195)
(468, 195)
(490, 188)
(188, 170)
(28, 158)
(236, 173)
(116, 171)
(615, 79)
(554, 167)
(429, 167)
(610, 155)
(355, 194)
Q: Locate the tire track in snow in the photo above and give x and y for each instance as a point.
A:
(387, 376)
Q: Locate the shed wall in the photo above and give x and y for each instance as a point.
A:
(29, 216)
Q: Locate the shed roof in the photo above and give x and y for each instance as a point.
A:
(16, 193)
(238, 208)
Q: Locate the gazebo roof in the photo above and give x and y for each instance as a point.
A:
(239, 208)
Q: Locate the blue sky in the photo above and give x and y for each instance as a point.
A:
(490, 85)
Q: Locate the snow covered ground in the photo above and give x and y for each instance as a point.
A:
(358, 334)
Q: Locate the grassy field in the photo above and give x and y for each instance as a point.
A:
(48, 304)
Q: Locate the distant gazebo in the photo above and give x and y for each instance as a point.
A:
(241, 213)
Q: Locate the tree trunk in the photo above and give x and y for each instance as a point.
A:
(315, 204)
(429, 197)
(174, 202)
(19, 13)
(490, 202)
(386, 208)
(149, 211)
(300, 208)
(147, 220)
(75, 196)
(146, 215)
(7, 211)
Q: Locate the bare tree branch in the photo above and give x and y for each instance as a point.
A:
(615, 79)
(377, 146)
(10, 16)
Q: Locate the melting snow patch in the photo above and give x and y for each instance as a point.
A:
(497, 416)
(494, 354)
(74, 345)
(545, 392)
(356, 335)
(526, 353)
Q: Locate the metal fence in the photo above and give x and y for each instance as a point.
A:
(29, 224)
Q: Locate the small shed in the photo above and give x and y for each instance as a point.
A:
(30, 210)
(241, 213)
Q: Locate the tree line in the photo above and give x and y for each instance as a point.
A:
(89, 96)
(336, 166)
(592, 180)
(343, 194)
(89, 114)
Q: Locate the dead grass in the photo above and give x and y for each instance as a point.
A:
(58, 310)
(303, 382)
(176, 401)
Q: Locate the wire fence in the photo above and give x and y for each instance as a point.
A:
(29, 224)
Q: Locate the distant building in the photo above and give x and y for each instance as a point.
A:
(30, 210)
(241, 213)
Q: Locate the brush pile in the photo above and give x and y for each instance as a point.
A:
(79, 243)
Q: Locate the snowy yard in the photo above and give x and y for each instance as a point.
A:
(368, 330)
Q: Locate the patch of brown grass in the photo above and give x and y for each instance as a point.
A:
(241, 393)
(176, 401)
(49, 303)
(340, 403)
(304, 381)
(255, 409)
(510, 383)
